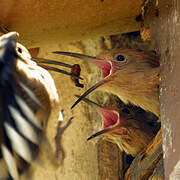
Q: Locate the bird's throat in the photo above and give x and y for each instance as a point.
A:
(104, 66)
(109, 117)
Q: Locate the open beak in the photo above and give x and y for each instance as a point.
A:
(42, 61)
(89, 91)
(96, 105)
(103, 65)
(48, 61)
(111, 119)
(113, 130)
(99, 107)
(76, 55)
(98, 133)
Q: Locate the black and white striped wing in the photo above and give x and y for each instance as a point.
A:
(20, 131)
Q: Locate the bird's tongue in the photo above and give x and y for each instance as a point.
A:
(110, 118)
(104, 66)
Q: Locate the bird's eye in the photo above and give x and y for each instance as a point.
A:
(120, 58)
(125, 110)
(19, 50)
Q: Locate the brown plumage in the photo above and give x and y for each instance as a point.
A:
(133, 76)
(127, 126)
(130, 74)
(27, 94)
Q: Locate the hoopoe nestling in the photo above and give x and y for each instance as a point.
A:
(130, 74)
(130, 127)
(133, 76)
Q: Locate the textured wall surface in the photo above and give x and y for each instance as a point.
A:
(165, 26)
(81, 157)
(50, 21)
(50, 24)
(95, 159)
(59, 25)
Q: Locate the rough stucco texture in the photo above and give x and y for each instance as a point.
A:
(81, 157)
(165, 26)
(49, 21)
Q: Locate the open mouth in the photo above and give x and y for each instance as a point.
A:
(105, 66)
(107, 69)
(109, 117)
(110, 121)
(74, 73)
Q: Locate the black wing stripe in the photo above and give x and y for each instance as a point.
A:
(19, 144)
(27, 111)
(24, 126)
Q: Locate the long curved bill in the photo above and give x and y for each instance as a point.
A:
(76, 55)
(48, 61)
(60, 71)
(42, 61)
(89, 91)
(86, 100)
(104, 65)
(98, 133)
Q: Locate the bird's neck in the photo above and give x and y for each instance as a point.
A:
(129, 143)
(139, 89)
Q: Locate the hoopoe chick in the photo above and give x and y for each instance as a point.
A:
(130, 74)
(127, 127)
(27, 94)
